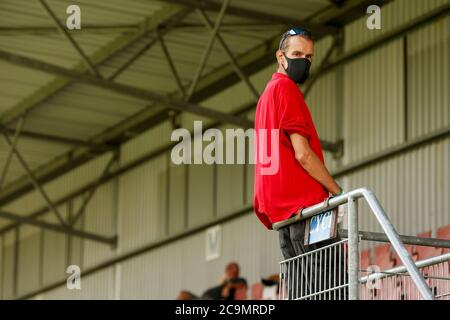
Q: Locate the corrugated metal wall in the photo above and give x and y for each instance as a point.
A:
(373, 102)
(397, 92)
(428, 78)
(162, 272)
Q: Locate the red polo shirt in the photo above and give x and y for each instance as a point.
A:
(280, 194)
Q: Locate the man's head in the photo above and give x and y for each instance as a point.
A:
(295, 53)
(232, 271)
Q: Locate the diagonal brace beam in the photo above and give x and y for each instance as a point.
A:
(72, 41)
(92, 191)
(323, 64)
(59, 228)
(170, 62)
(208, 48)
(128, 90)
(233, 60)
(33, 179)
(10, 154)
(268, 17)
(178, 17)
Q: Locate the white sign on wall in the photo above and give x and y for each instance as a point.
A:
(213, 242)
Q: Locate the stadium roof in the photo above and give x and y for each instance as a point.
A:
(78, 94)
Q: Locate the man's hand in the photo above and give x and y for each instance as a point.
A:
(312, 164)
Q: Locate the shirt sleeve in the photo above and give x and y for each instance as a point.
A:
(292, 114)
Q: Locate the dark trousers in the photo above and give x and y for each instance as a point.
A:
(321, 270)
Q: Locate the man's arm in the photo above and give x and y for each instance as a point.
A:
(312, 164)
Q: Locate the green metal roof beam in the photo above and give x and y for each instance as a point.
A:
(256, 15)
(168, 102)
(99, 57)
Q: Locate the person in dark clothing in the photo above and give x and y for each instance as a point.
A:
(227, 289)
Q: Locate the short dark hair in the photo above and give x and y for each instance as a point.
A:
(297, 31)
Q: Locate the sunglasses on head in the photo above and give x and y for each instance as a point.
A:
(295, 32)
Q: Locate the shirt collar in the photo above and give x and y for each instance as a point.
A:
(279, 75)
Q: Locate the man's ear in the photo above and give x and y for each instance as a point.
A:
(280, 58)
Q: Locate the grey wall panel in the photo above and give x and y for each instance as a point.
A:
(158, 273)
(230, 177)
(177, 197)
(393, 15)
(100, 218)
(250, 182)
(55, 264)
(76, 244)
(428, 78)
(141, 204)
(54, 250)
(8, 266)
(99, 286)
(2, 261)
(256, 249)
(29, 261)
(324, 104)
(200, 194)
(373, 102)
(162, 273)
(151, 139)
(412, 188)
(230, 188)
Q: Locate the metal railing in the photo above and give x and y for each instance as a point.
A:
(352, 270)
(316, 275)
(321, 274)
(395, 283)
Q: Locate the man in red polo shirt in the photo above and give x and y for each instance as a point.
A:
(302, 178)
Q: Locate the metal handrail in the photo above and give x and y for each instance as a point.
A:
(411, 240)
(401, 269)
(351, 198)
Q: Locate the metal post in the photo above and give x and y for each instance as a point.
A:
(353, 248)
(399, 248)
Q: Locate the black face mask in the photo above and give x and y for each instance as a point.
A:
(298, 69)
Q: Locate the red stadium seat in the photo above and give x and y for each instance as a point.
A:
(396, 258)
(383, 256)
(426, 252)
(444, 233)
(257, 291)
(443, 270)
(365, 260)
